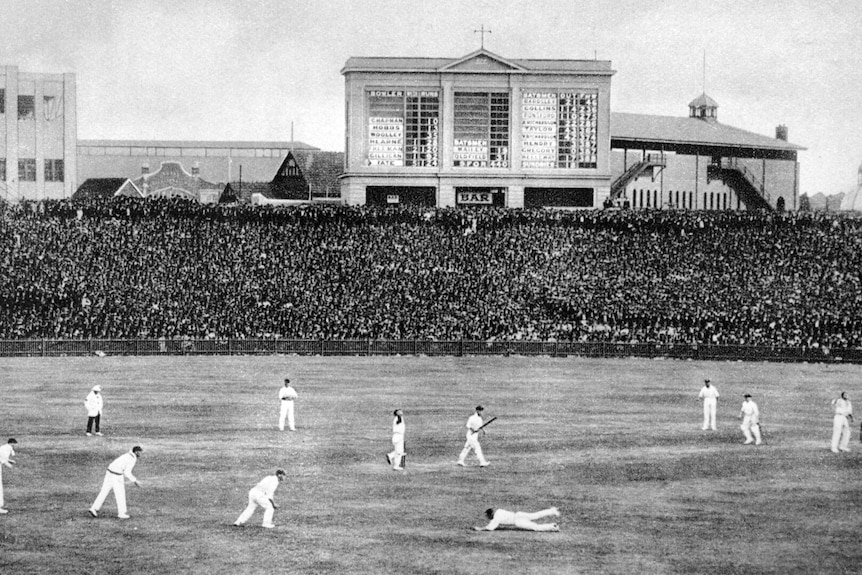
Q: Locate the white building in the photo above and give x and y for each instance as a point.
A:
(38, 135)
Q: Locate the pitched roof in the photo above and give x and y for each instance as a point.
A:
(373, 63)
(677, 130)
(321, 170)
(98, 188)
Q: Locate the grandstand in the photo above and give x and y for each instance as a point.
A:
(130, 269)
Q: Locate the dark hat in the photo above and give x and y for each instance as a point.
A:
(137, 449)
(286, 380)
(706, 380)
(12, 440)
(747, 395)
(479, 408)
(279, 472)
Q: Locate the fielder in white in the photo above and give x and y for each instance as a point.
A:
(93, 403)
(118, 471)
(520, 520)
(6, 453)
(750, 416)
(286, 396)
(841, 423)
(473, 425)
(709, 395)
(262, 494)
(395, 457)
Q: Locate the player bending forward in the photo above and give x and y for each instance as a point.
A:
(262, 494)
(520, 520)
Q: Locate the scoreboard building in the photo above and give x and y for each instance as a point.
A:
(477, 130)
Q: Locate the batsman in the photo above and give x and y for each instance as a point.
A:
(474, 425)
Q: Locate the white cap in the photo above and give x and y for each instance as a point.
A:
(97, 388)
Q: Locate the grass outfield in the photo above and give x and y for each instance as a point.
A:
(615, 444)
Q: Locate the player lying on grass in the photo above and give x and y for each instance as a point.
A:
(520, 520)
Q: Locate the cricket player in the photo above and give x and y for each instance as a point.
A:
(262, 494)
(474, 423)
(750, 416)
(93, 403)
(6, 453)
(118, 471)
(841, 423)
(287, 395)
(395, 458)
(709, 395)
(520, 520)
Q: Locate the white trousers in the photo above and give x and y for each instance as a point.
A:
(749, 427)
(116, 484)
(709, 405)
(257, 497)
(525, 520)
(286, 413)
(397, 450)
(2, 503)
(472, 443)
(840, 433)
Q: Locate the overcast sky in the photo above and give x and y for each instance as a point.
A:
(247, 69)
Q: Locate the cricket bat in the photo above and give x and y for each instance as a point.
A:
(487, 423)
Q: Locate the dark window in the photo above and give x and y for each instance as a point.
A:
(54, 170)
(27, 170)
(2, 101)
(2, 169)
(26, 108)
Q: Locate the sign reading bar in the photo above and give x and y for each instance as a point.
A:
(475, 198)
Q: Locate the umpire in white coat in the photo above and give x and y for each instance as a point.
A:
(94, 403)
(841, 423)
(709, 395)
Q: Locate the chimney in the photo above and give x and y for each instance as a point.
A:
(781, 132)
(196, 169)
(145, 168)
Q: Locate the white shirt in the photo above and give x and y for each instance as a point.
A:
(475, 422)
(750, 411)
(6, 453)
(93, 404)
(268, 485)
(842, 406)
(287, 393)
(397, 428)
(123, 465)
(708, 392)
(501, 517)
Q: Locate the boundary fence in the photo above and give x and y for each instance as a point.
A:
(157, 347)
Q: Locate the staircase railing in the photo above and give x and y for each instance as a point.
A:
(635, 170)
(750, 177)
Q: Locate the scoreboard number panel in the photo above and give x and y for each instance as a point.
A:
(403, 128)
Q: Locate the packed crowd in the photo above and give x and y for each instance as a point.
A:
(126, 268)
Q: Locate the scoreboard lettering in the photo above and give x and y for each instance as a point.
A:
(403, 128)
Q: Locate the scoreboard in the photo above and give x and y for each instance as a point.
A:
(403, 128)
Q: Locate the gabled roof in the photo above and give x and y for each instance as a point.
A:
(321, 170)
(98, 188)
(694, 131)
(481, 60)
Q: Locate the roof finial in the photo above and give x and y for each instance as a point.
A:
(483, 32)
